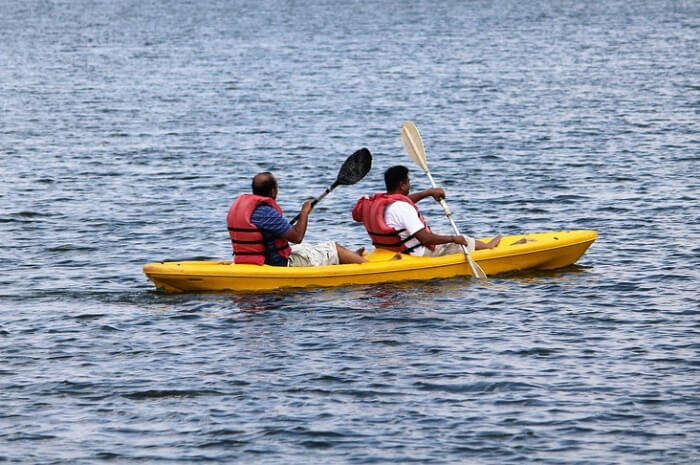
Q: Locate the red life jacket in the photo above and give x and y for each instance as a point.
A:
(246, 238)
(370, 212)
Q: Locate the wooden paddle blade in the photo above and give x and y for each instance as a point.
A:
(355, 168)
(477, 272)
(413, 143)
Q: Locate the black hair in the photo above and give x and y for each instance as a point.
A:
(395, 176)
(263, 184)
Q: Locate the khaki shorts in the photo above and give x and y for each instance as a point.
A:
(449, 249)
(321, 254)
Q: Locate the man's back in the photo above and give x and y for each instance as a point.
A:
(273, 226)
(403, 216)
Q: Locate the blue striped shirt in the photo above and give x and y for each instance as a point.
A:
(273, 226)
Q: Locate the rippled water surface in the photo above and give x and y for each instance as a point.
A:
(127, 128)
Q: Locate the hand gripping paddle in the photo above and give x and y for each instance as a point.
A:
(355, 168)
(413, 143)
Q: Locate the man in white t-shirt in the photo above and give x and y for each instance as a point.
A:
(394, 222)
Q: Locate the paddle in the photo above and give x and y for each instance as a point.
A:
(413, 144)
(355, 168)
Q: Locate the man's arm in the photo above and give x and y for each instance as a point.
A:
(429, 238)
(296, 233)
(271, 221)
(436, 193)
(401, 215)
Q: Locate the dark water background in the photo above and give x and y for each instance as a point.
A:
(126, 129)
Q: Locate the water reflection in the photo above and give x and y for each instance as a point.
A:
(256, 303)
(560, 275)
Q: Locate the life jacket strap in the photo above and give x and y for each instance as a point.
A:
(400, 243)
(411, 249)
(245, 242)
(388, 234)
(258, 253)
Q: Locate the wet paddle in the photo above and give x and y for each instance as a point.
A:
(355, 168)
(413, 143)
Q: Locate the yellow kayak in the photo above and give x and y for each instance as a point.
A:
(539, 251)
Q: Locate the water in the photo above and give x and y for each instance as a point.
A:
(126, 129)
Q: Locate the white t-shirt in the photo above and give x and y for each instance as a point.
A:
(402, 215)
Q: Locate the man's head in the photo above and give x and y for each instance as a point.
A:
(265, 184)
(397, 181)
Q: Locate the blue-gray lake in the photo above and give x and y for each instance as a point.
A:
(127, 128)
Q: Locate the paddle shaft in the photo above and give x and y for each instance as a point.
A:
(476, 269)
(444, 206)
(317, 200)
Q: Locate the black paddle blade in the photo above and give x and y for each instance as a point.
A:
(355, 168)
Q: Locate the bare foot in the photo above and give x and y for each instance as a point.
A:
(493, 243)
(360, 251)
(348, 256)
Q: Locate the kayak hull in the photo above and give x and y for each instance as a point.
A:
(541, 251)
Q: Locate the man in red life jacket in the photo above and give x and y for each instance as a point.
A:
(260, 234)
(394, 222)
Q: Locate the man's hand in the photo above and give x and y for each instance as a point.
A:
(437, 193)
(297, 232)
(459, 239)
(306, 208)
